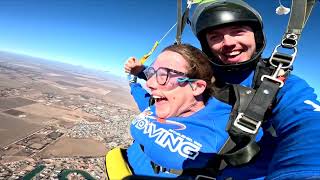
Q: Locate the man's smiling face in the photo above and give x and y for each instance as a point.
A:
(232, 44)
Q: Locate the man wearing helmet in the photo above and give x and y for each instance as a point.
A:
(231, 34)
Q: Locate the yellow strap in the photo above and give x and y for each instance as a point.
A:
(116, 166)
(146, 56)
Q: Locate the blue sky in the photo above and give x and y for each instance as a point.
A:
(102, 34)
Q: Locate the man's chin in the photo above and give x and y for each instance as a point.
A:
(233, 61)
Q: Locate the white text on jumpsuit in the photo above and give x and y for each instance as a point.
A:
(170, 139)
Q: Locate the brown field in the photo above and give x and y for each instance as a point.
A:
(12, 129)
(121, 98)
(56, 113)
(8, 103)
(64, 83)
(97, 91)
(68, 147)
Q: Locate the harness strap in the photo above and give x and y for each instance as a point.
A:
(182, 19)
(223, 92)
(247, 117)
(240, 156)
(240, 147)
(262, 100)
(262, 68)
(301, 10)
(179, 22)
(157, 169)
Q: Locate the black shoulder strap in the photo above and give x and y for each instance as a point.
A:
(224, 92)
(262, 68)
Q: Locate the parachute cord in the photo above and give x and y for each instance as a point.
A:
(146, 56)
(167, 32)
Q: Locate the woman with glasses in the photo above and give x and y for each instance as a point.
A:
(166, 140)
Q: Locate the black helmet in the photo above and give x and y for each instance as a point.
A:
(212, 14)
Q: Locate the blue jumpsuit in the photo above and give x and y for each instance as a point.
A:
(293, 154)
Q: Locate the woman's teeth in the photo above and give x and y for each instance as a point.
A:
(158, 98)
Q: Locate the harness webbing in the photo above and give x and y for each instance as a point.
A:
(182, 19)
(301, 10)
(179, 22)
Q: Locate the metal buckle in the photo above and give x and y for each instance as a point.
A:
(290, 40)
(275, 51)
(273, 79)
(199, 177)
(162, 169)
(244, 123)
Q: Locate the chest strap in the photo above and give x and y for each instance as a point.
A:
(157, 169)
(247, 117)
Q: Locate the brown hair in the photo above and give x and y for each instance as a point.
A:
(199, 64)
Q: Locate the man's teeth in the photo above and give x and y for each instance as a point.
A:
(233, 53)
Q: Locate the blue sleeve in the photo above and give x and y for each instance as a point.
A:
(140, 95)
(296, 119)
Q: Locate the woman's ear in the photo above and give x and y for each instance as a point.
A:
(198, 87)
